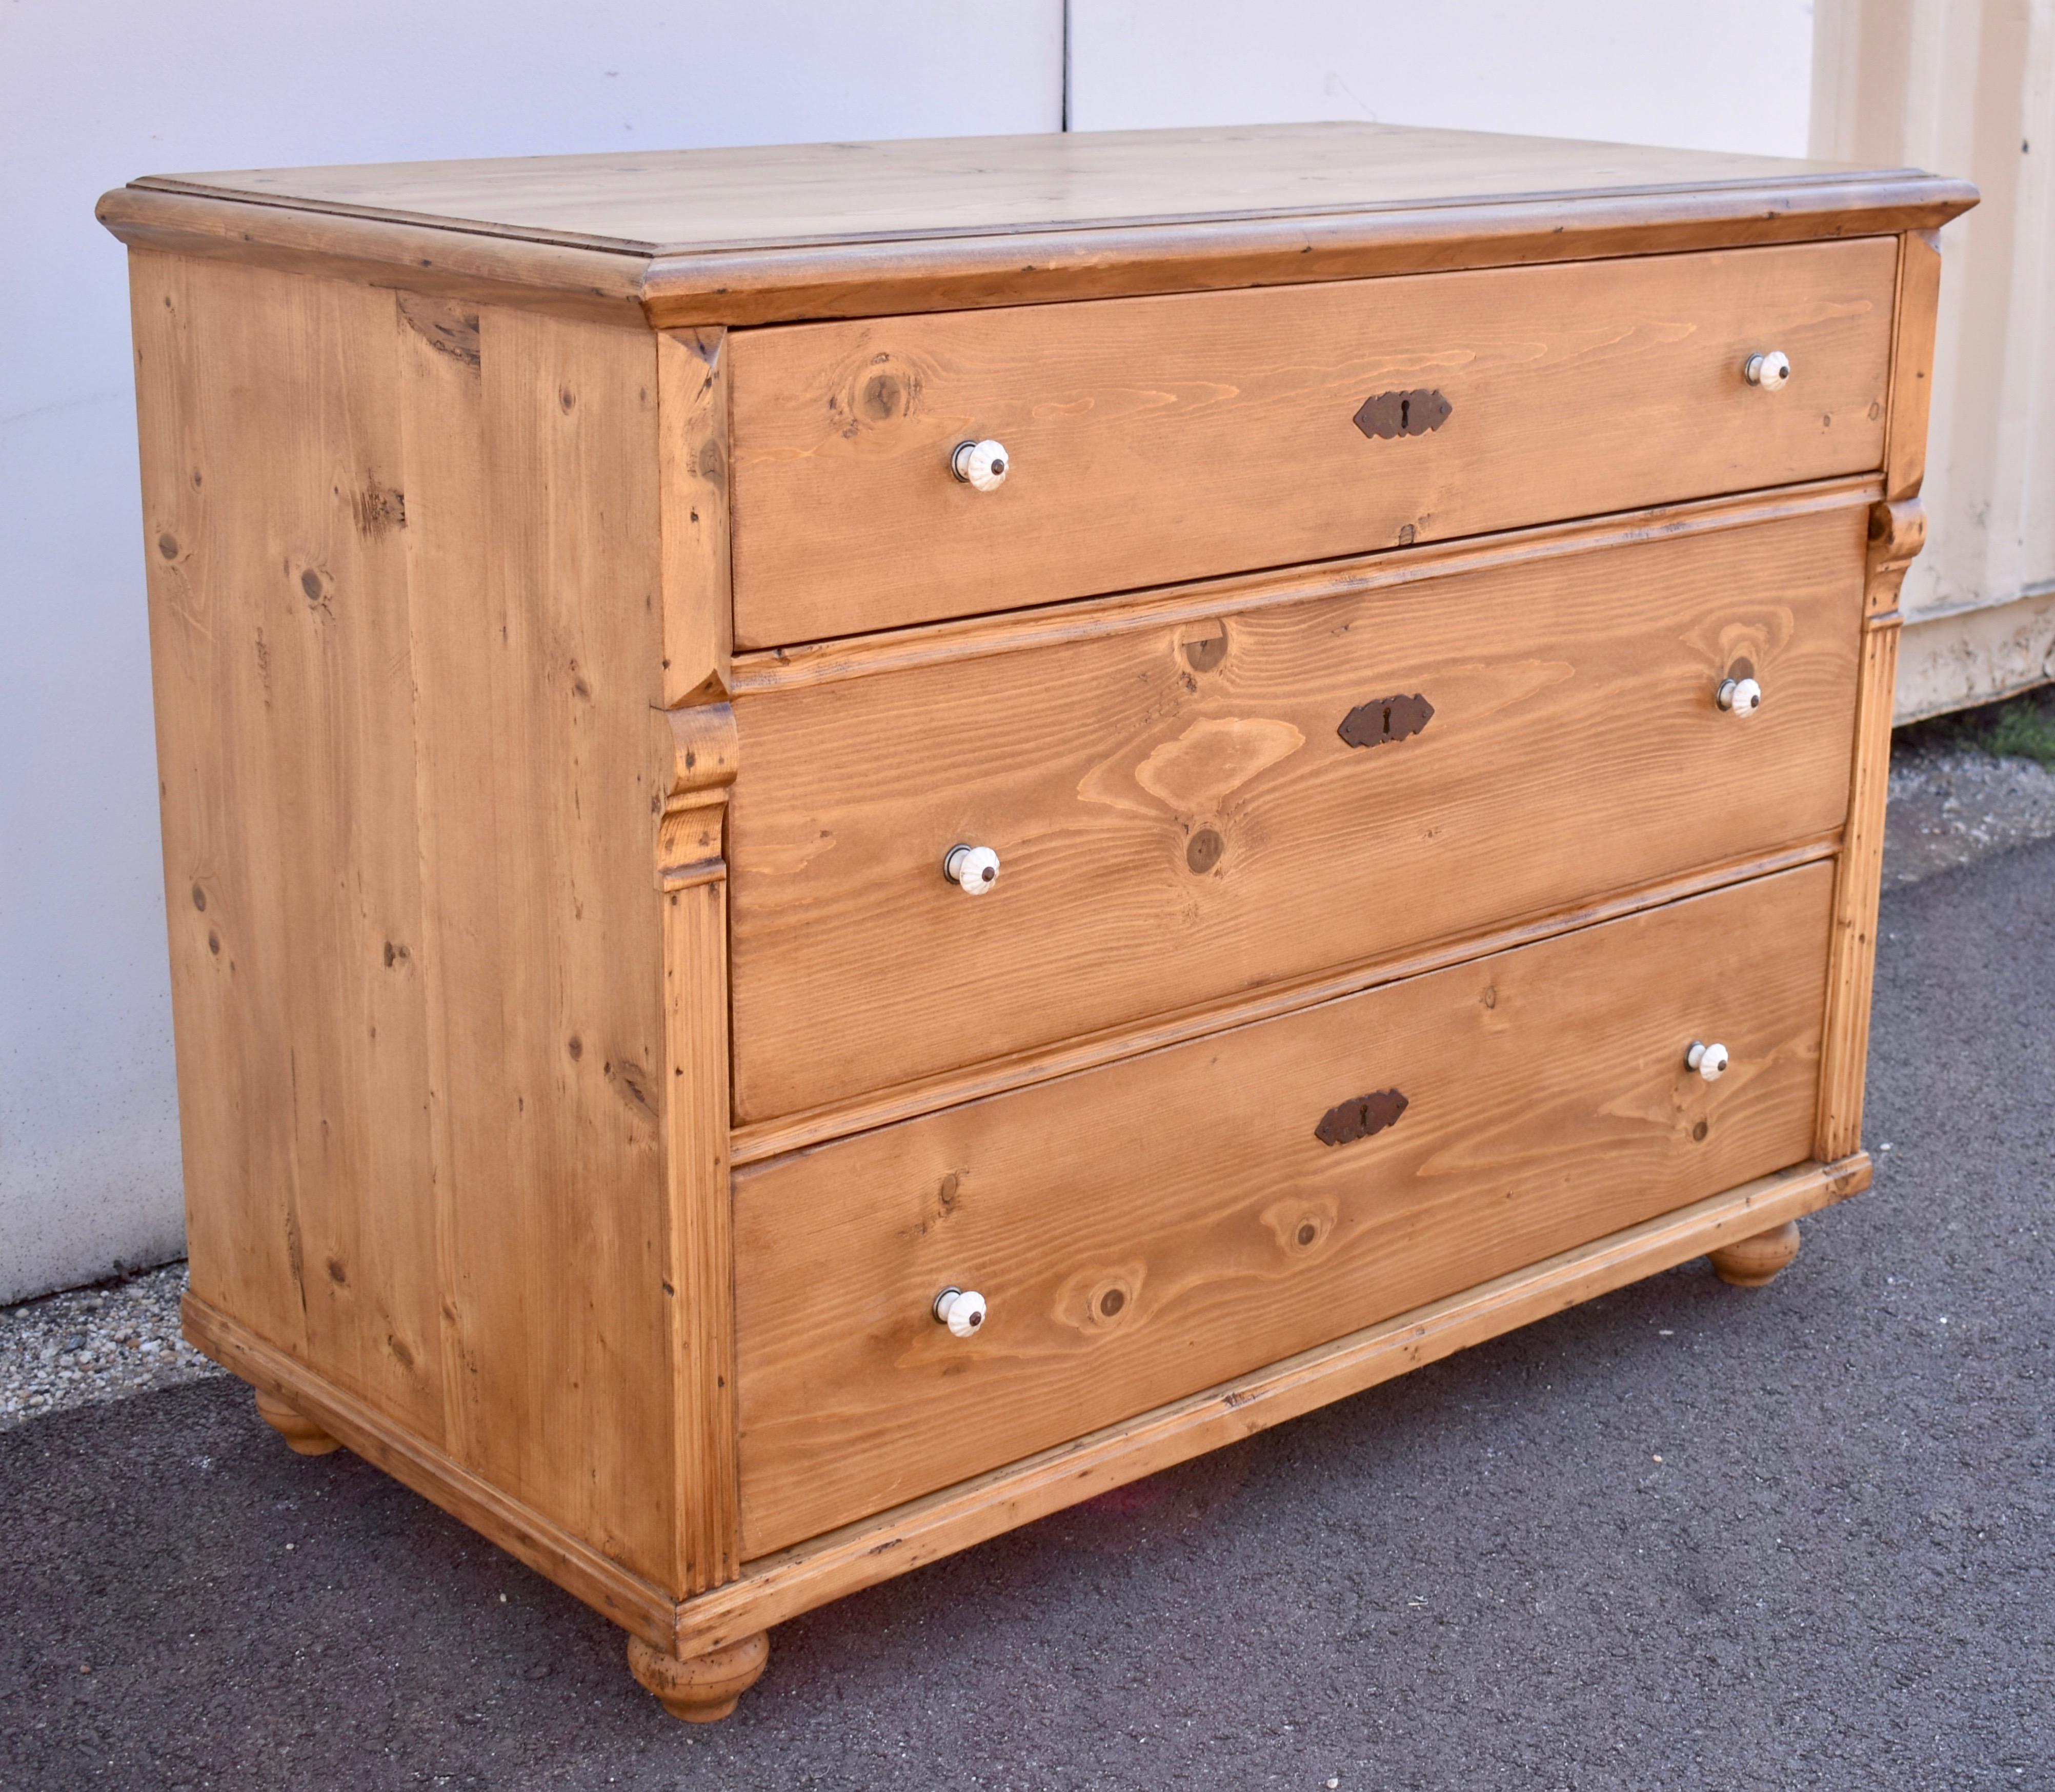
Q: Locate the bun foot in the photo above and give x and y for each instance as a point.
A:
(301, 1435)
(1753, 1263)
(701, 1688)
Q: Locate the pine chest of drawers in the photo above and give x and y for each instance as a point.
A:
(862, 839)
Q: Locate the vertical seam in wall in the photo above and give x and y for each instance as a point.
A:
(1066, 97)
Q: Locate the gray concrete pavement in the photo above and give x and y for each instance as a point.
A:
(1686, 1536)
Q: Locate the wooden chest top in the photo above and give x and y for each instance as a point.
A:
(856, 229)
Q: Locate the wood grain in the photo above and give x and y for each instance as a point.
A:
(1576, 750)
(735, 236)
(699, 1689)
(1201, 600)
(1757, 1261)
(767, 235)
(738, 287)
(784, 1584)
(691, 376)
(405, 605)
(1147, 1229)
(884, 280)
(438, 395)
(452, 265)
(286, 736)
(753, 1144)
(1912, 362)
(1153, 439)
(1844, 1051)
(559, 1175)
(776, 195)
(1898, 531)
(700, 1251)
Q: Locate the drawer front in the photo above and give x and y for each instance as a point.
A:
(1163, 439)
(1184, 811)
(1147, 1229)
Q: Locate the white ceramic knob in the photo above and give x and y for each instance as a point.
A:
(961, 1310)
(1771, 371)
(1739, 696)
(973, 869)
(980, 465)
(1709, 1062)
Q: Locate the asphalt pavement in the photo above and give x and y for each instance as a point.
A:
(1686, 1536)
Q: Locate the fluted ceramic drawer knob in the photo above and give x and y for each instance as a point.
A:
(961, 1310)
(1708, 1061)
(973, 869)
(1771, 372)
(980, 465)
(1739, 696)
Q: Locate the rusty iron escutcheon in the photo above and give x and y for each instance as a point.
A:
(1390, 415)
(1358, 1118)
(1384, 719)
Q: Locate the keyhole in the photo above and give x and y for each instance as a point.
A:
(1405, 415)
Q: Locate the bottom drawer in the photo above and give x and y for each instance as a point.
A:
(1146, 1229)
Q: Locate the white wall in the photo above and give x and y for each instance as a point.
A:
(1737, 76)
(95, 92)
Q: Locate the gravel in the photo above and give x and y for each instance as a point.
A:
(94, 1343)
(1952, 805)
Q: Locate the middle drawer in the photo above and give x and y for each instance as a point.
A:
(1184, 810)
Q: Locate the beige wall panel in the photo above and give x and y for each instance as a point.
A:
(1968, 86)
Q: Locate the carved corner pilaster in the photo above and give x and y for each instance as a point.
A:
(691, 875)
(690, 847)
(1897, 532)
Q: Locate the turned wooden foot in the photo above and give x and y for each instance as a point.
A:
(703, 1688)
(1753, 1263)
(300, 1432)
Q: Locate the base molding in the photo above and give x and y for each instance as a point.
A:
(775, 1588)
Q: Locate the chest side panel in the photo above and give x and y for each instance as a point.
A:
(405, 631)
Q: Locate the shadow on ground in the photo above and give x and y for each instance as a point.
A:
(1684, 1536)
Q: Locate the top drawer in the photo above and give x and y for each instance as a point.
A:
(1164, 439)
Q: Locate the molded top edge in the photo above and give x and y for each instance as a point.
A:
(684, 203)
